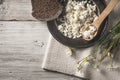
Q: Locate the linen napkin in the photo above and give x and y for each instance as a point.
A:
(57, 60)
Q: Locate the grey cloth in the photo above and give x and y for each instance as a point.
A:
(56, 58)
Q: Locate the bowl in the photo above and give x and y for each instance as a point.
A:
(79, 42)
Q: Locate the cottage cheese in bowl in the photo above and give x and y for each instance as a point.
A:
(78, 14)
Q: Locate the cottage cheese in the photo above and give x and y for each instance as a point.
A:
(89, 34)
(78, 14)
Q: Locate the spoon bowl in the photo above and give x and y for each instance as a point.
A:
(96, 24)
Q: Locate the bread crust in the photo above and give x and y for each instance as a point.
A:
(46, 10)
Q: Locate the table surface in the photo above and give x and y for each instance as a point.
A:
(23, 41)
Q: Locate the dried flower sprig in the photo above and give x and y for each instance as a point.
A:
(103, 49)
(69, 51)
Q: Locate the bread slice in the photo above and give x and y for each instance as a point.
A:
(46, 9)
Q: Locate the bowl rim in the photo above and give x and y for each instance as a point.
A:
(105, 22)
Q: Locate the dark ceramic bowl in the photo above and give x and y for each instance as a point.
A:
(79, 42)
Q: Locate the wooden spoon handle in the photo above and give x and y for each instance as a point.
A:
(105, 13)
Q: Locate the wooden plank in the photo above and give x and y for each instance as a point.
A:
(16, 10)
(23, 37)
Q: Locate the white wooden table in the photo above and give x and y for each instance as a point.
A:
(23, 41)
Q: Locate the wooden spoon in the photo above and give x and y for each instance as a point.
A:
(101, 18)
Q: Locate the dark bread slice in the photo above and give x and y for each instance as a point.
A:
(46, 9)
